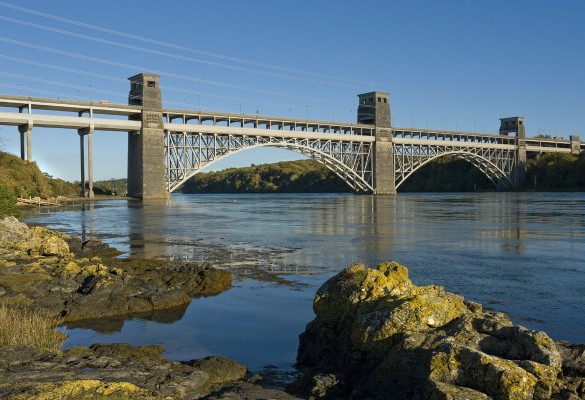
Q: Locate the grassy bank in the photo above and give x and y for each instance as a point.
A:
(22, 326)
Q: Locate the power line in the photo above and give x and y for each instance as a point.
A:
(117, 79)
(168, 74)
(179, 47)
(171, 55)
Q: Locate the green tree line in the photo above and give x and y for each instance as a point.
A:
(20, 178)
(556, 171)
(446, 174)
(284, 177)
(552, 171)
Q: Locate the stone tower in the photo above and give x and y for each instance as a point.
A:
(146, 161)
(374, 109)
(516, 125)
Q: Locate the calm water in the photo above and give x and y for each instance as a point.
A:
(522, 253)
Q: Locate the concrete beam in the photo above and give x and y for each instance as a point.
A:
(67, 122)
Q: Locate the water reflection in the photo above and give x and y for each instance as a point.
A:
(147, 224)
(522, 253)
(109, 325)
(87, 220)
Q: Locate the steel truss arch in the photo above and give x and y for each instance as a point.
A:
(187, 153)
(496, 164)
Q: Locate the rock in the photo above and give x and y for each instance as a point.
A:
(122, 371)
(40, 270)
(13, 232)
(378, 336)
(54, 246)
(220, 369)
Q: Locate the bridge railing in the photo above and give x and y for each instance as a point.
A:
(30, 105)
(452, 136)
(266, 122)
(557, 145)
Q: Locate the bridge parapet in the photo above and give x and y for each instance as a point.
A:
(229, 120)
(452, 136)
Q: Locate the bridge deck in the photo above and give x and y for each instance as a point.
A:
(114, 117)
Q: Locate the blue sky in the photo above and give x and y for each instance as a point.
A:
(456, 65)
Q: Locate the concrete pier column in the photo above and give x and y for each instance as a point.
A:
(90, 162)
(22, 146)
(26, 128)
(82, 157)
(89, 133)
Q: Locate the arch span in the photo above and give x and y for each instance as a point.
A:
(494, 172)
(188, 154)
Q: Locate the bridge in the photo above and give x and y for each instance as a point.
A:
(166, 147)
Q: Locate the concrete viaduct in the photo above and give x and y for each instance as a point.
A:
(166, 147)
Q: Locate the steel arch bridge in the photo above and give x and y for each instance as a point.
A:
(168, 146)
(497, 165)
(187, 154)
(347, 150)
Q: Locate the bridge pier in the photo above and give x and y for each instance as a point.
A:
(146, 158)
(89, 133)
(516, 125)
(26, 128)
(575, 145)
(374, 109)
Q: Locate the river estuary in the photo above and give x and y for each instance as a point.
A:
(522, 253)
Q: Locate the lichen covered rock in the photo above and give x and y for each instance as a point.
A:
(110, 371)
(13, 232)
(38, 267)
(382, 337)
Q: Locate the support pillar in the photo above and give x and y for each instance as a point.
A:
(26, 128)
(89, 133)
(82, 157)
(22, 146)
(146, 158)
(516, 125)
(384, 180)
(90, 161)
(575, 145)
(374, 109)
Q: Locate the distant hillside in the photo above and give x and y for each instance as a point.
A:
(25, 179)
(111, 187)
(446, 174)
(305, 176)
(556, 171)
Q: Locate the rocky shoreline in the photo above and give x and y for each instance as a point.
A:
(378, 336)
(78, 281)
(375, 335)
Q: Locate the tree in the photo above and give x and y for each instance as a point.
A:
(7, 202)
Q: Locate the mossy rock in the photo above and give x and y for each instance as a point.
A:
(86, 389)
(69, 270)
(127, 352)
(23, 283)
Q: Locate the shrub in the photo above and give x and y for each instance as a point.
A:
(7, 202)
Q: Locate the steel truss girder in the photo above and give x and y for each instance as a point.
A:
(187, 153)
(497, 164)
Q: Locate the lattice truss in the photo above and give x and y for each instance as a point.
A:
(497, 164)
(187, 153)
